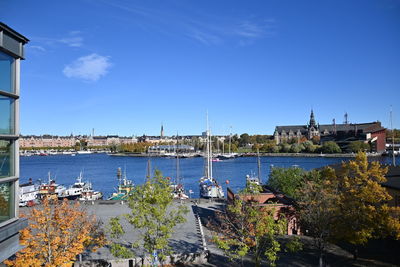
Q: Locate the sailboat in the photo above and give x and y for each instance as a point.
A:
(252, 179)
(209, 187)
(178, 190)
(230, 154)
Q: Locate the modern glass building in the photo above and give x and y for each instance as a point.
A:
(11, 53)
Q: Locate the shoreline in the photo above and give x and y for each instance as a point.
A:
(300, 155)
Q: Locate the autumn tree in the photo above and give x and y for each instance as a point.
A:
(245, 229)
(57, 233)
(153, 215)
(361, 206)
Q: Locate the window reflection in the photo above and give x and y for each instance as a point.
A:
(6, 73)
(6, 158)
(7, 115)
(6, 201)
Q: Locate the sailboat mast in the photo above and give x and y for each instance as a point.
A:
(148, 172)
(210, 158)
(177, 162)
(230, 139)
(259, 165)
(391, 126)
(208, 149)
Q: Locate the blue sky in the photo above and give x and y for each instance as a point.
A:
(124, 67)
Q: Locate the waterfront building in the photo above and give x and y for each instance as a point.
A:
(11, 53)
(371, 132)
(33, 141)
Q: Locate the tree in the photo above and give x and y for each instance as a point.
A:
(309, 147)
(330, 147)
(153, 215)
(247, 229)
(286, 180)
(56, 234)
(361, 206)
(358, 146)
(244, 139)
(317, 210)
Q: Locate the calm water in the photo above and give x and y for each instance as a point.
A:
(101, 169)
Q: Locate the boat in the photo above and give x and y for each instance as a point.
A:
(178, 189)
(88, 194)
(209, 187)
(84, 152)
(74, 191)
(125, 187)
(27, 194)
(252, 179)
(51, 190)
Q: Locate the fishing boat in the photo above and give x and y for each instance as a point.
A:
(125, 187)
(50, 190)
(209, 187)
(27, 194)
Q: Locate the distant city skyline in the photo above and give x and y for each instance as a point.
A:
(124, 67)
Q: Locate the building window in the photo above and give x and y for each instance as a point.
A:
(7, 115)
(6, 158)
(7, 73)
(7, 206)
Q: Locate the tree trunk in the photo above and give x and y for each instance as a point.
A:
(355, 254)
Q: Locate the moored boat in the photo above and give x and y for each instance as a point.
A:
(27, 194)
(125, 187)
(51, 190)
(209, 187)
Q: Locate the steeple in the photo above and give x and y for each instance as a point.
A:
(162, 131)
(312, 119)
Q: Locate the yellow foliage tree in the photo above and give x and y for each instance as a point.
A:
(361, 206)
(56, 234)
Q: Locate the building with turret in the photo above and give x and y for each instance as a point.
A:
(371, 132)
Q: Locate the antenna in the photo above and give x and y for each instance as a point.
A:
(391, 126)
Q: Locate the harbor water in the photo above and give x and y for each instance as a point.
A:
(101, 169)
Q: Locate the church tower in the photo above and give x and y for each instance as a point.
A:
(162, 131)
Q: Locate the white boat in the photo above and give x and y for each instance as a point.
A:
(74, 191)
(252, 179)
(88, 194)
(27, 194)
(178, 189)
(83, 152)
(209, 187)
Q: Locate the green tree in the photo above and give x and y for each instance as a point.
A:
(317, 210)
(330, 147)
(245, 229)
(358, 146)
(286, 180)
(153, 215)
(244, 139)
(309, 147)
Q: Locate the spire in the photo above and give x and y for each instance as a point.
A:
(312, 119)
(162, 131)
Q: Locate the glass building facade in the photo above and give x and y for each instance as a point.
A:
(11, 53)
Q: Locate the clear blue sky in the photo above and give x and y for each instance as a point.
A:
(123, 67)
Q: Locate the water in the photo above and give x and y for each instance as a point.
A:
(101, 169)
